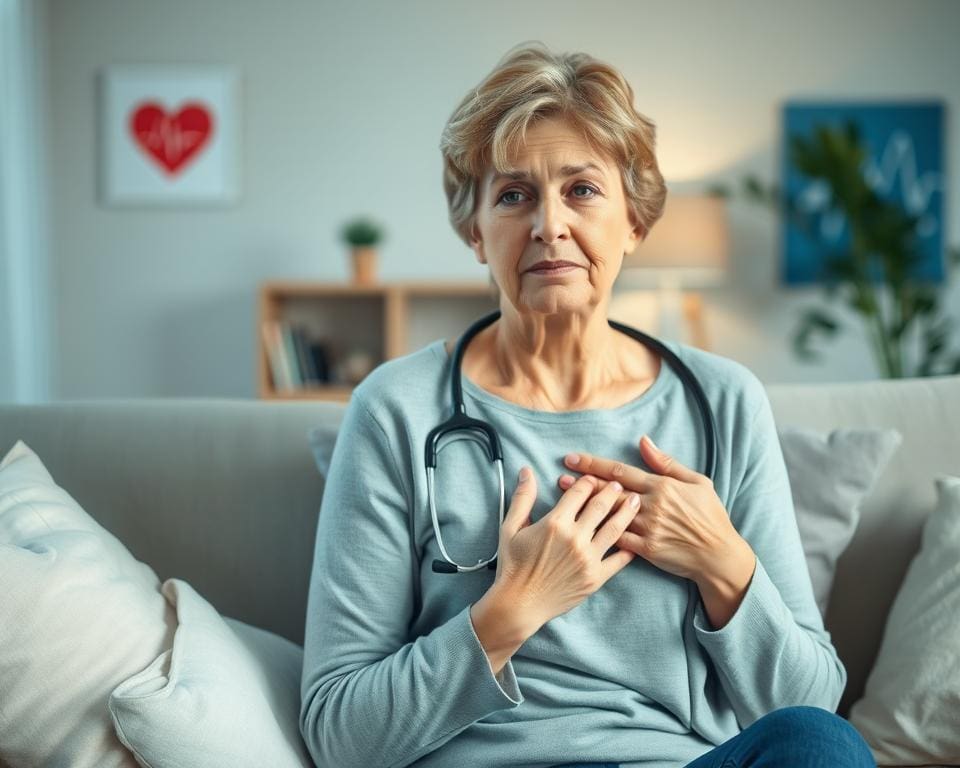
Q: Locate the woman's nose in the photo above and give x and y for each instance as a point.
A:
(549, 222)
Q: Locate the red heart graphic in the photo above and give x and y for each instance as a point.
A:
(171, 140)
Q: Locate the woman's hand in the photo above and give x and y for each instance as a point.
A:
(548, 567)
(681, 526)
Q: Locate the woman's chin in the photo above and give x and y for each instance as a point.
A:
(553, 299)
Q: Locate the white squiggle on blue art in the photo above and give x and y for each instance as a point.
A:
(898, 161)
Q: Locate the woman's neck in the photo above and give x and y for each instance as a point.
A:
(560, 364)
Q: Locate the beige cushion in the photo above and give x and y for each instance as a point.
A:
(79, 615)
(830, 475)
(227, 694)
(910, 711)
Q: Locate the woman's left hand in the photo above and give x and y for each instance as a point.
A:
(681, 526)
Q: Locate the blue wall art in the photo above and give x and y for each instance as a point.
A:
(905, 164)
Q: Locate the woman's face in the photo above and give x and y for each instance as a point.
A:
(566, 202)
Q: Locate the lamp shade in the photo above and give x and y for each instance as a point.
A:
(689, 244)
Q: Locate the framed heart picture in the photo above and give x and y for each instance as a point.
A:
(169, 136)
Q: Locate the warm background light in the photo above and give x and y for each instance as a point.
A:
(688, 247)
(690, 240)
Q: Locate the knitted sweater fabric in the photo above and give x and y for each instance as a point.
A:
(394, 674)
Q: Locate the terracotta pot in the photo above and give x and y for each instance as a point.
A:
(364, 265)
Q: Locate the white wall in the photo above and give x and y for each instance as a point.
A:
(343, 104)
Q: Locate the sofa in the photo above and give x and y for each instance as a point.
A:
(224, 494)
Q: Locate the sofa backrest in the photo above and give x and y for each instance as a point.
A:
(221, 493)
(869, 573)
(225, 493)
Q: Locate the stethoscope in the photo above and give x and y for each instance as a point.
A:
(478, 429)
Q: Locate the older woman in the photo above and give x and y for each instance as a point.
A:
(640, 613)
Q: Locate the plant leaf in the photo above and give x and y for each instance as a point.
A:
(813, 321)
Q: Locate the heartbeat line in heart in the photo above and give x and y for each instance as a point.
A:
(171, 139)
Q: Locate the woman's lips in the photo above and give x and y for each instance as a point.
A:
(554, 270)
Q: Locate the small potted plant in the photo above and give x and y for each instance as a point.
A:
(363, 235)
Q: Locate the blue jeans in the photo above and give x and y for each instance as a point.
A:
(800, 737)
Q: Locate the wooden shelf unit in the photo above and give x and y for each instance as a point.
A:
(387, 320)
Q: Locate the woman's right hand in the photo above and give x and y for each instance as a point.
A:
(548, 567)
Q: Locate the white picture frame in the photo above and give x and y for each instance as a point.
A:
(169, 135)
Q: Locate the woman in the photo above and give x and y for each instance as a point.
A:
(697, 642)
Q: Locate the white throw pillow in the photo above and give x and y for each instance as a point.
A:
(910, 710)
(830, 476)
(227, 694)
(78, 615)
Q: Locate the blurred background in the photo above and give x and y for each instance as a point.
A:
(311, 226)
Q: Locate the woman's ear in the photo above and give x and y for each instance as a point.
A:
(636, 236)
(476, 243)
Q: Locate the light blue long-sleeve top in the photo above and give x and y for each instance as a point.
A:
(635, 674)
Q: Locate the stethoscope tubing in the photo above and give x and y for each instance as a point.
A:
(461, 421)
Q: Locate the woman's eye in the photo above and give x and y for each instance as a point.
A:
(503, 197)
(588, 193)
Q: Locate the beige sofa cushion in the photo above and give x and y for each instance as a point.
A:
(927, 413)
(830, 474)
(910, 711)
(226, 694)
(79, 616)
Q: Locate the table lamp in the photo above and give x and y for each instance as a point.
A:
(688, 247)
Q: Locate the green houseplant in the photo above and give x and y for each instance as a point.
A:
(362, 235)
(872, 274)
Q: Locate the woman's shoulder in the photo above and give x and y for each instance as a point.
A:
(397, 382)
(725, 381)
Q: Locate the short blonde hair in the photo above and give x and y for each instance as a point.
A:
(530, 83)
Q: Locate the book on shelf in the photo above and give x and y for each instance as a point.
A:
(296, 361)
(307, 365)
(321, 361)
(276, 355)
(290, 353)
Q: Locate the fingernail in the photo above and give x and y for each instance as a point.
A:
(572, 458)
(633, 499)
(652, 444)
(524, 474)
(616, 486)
